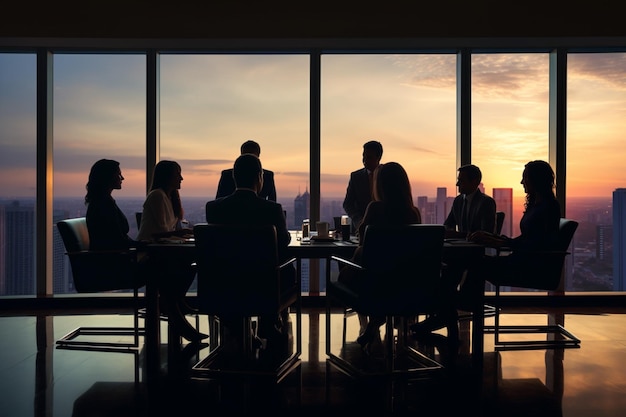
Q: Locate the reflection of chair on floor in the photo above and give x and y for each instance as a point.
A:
(239, 277)
(527, 396)
(403, 265)
(101, 271)
(545, 273)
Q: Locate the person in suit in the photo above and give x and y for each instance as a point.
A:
(245, 206)
(360, 185)
(471, 210)
(226, 185)
(161, 217)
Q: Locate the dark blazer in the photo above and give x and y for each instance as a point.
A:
(481, 213)
(226, 186)
(358, 196)
(245, 207)
(107, 225)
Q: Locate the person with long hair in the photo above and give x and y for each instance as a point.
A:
(392, 205)
(539, 231)
(106, 224)
(162, 217)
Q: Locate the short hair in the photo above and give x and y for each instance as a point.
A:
(375, 146)
(246, 170)
(472, 172)
(252, 147)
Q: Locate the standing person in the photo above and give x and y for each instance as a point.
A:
(226, 186)
(471, 210)
(392, 205)
(359, 192)
(106, 223)
(162, 217)
(244, 206)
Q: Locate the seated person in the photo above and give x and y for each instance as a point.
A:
(106, 223)
(472, 209)
(162, 217)
(244, 206)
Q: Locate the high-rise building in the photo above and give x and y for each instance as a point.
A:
(440, 205)
(301, 208)
(619, 239)
(504, 202)
(17, 254)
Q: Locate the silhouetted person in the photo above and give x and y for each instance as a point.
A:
(244, 206)
(360, 185)
(471, 210)
(226, 186)
(392, 205)
(162, 216)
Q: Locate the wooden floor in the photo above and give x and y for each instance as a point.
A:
(50, 382)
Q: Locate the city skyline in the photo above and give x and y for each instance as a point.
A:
(408, 102)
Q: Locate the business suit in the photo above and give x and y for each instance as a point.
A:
(358, 196)
(245, 207)
(226, 185)
(481, 213)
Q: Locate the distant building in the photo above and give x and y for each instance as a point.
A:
(504, 203)
(301, 208)
(619, 239)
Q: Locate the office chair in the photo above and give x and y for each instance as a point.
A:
(545, 273)
(499, 221)
(99, 271)
(239, 276)
(402, 266)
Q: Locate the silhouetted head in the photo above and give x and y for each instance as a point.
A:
(252, 147)
(248, 172)
(105, 176)
(372, 153)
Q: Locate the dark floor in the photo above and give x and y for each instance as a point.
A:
(50, 382)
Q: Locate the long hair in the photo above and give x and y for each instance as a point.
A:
(101, 176)
(392, 186)
(541, 176)
(164, 171)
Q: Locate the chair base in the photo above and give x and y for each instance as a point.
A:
(563, 339)
(73, 339)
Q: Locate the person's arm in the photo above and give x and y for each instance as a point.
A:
(487, 215)
(350, 204)
(271, 186)
(225, 186)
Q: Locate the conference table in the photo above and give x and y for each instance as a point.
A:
(457, 252)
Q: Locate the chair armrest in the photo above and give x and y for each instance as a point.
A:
(347, 262)
(287, 262)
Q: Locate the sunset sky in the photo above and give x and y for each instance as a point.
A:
(210, 104)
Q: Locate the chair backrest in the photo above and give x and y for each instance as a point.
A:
(545, 269)
(499, 221)
(74, 233)
(238, 269)
(403, 264)
(95, 271)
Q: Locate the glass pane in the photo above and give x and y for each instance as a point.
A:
(18, 162)
(596, 121)
(99, 112)
(509, 125)
(406, 102)
(211, 104)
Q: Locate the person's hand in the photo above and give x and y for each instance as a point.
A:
(486, 238)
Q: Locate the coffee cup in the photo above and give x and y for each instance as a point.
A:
(322, 228)
(346, 227)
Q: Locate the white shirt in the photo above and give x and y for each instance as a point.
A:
(158, 215)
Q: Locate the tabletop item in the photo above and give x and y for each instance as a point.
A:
(322, 229)
(345, 227)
